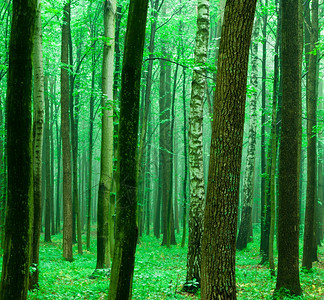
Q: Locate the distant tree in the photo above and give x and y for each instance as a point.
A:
(126, 227)
(274, 144)
(38, 126)
(46, 162)
(290, 145)
(106, 163)
(220, 220)
(197, 184)
(265, 207)
(19, 214)
(66, 145)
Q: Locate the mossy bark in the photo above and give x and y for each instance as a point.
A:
(126, 206)
(220, 220)
(19, 216)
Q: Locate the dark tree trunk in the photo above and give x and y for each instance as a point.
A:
(310, 243)
(289, 157)
(126, 228)
(19, 215)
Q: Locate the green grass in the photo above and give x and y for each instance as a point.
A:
(159, 274)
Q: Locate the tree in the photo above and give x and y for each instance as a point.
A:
(197, 184)
(38, 126)
(289, 157)
(19, 215)
(310, 243)
(220, 220)
(248, 185)
(106, 163)
(265, 216)
(66, 146)
(126, 227)
(46, 161)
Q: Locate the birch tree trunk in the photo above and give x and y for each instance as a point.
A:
(196, 166)
(106, 162)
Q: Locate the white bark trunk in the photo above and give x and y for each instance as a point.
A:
(197, 189)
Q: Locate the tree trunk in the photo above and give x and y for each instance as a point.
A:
(106, 162)
(196, 166)
(47, 237)
(248, 185)
(66, 146)
(310, 243)
(264, 242)
(289, 157)
(185, 146)
(220, 220)
(38, 127)
(58, 202)
(274, 144)
(19, 214)
(126, 228)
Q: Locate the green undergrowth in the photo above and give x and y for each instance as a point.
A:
(159, 274)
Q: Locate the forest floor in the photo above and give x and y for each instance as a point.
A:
(159, 274)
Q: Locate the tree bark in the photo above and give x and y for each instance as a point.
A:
(310, 243)
(106, 163)
(196, 165)
(264, 242)
(290, 145)
(248, 184)
(38, 127)
(126, 227)
(19, 215)
(220, 220)
(66, 146)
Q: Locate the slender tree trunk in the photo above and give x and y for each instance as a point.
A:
(66, 146)
(126, 227)
(248, 185)
(289, 157)
(52, 97)
(38, 127)
(19, 214)
(274, 145)
(106, 163)
(220, 220)
(58, 182)
(264, 244)
(185, 147)
(197, 185)
(310, 243)
(89, 202)
(46, 159)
